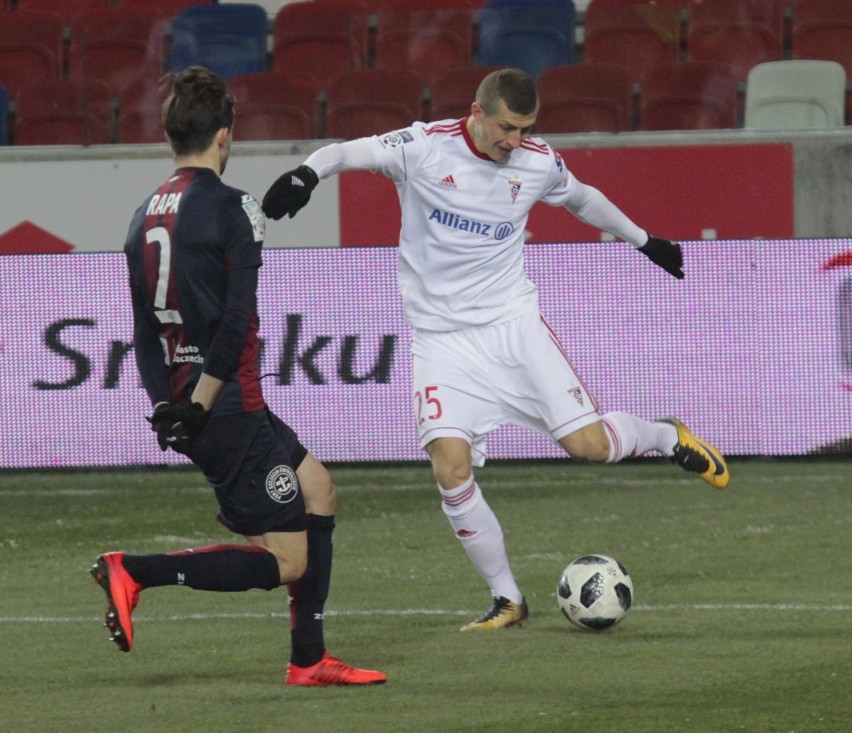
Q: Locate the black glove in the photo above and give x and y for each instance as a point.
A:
(664, 253)
(290, 192)
(177, 426)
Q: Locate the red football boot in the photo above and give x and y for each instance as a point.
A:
(122, 594)
(331, 671)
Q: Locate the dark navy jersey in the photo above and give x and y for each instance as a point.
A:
(193, 253)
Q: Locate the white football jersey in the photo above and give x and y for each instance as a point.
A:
(463, 220)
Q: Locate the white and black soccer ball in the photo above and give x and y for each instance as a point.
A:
(595, 592)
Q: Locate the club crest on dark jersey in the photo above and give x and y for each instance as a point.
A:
(282, 484)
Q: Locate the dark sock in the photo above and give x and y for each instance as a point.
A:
(309, 593)
(224, 568)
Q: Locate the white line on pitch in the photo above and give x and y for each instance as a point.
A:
(422, 612)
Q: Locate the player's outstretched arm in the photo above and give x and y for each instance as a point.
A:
(664, 253)
(290, 192)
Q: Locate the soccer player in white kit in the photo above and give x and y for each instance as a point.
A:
(484, 355)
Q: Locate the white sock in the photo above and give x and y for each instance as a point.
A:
(480, 533)
(631, 436)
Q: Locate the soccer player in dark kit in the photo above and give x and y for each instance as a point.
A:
(193, 253)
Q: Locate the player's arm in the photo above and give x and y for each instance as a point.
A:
(149, 352)
(292, 190)
(591, 206)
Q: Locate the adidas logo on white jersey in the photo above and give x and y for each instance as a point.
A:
(449, 182)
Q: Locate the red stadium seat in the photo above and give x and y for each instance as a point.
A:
(738, 33)
(118, 45)
(275, 106)
(323, 39)
(453, 91)
(370, 101)
(66, 8)
(637, 36)
(139, 113)
(691, 95)
(585, 97)
(30, 48)
(424, 40)
(63, 112)
(822, 30)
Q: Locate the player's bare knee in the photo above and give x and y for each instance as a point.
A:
(291, 567)
(317, 487)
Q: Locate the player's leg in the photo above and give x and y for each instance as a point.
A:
(571, 415)
(477, 528)
(226, 568)
(238, 454)
(310, 663)
(455, 410)
(620, 435)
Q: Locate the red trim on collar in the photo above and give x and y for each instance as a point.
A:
(469, 140)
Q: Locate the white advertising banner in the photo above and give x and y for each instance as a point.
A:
(753, 350)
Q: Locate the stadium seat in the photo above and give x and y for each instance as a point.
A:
(30, 48)
(453, 91)
(822, 30)
(738, 33)
(529, 34)
(4, 116)
(275, 106)
(795, 94)
(170, 8)
(637, 36)
(365, 102)
(227, 39)
(584, 97)
(139, 113)
(690, 95)
(66, 8)
(323, 39)
(424, 40)
(117, 45)
(63, 112)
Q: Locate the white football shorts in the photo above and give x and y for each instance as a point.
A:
(470, 382)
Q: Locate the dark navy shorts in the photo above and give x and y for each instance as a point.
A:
(250, 460)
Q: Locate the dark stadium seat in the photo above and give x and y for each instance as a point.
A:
(30, 48)
(118, 45)
(529, 34)
(584, 97)
(168, 7)
(227, 39)
(275, 106)
(364, 102)
(637, 36)
(738, 33)
(453, 91)
(322, 39)
(425, 40)
(63, 112)
(690, 95)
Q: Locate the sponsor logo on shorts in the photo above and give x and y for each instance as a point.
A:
(577, 394)
(282, 484)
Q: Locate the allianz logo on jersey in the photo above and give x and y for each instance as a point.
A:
(463, 224)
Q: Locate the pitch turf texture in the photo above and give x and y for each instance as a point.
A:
(741, 619)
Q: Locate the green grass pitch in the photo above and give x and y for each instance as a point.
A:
(741, 621)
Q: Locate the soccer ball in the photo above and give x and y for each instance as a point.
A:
(595, 592)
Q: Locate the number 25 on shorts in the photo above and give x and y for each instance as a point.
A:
(428, 405)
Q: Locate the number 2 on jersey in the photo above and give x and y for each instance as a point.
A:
(428, 406)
